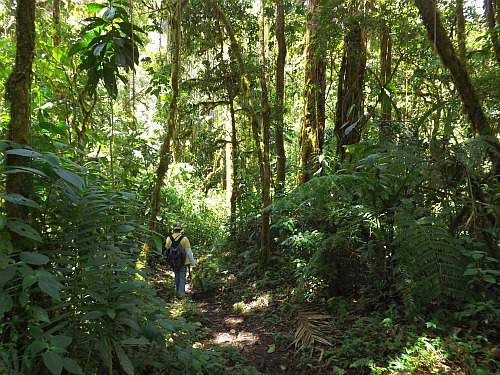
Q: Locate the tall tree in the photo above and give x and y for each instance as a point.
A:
(18, 94)
(165, 150)
(350, 95)
(492, 8)
(460, 20)
(280, 94)
(56, 20)
(385, 76)
(312, 128)
(265, 121)
(437, 34)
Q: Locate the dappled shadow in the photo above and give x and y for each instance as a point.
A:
(248, 332)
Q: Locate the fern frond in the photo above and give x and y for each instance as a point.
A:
(430, 261)
(312, 328)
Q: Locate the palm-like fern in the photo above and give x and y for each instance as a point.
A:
(430, 261)
(312, 328)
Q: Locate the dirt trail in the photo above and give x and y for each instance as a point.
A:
(254, 329)
(249, 333)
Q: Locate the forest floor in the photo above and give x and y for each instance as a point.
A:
(255, 329)
(251, 327)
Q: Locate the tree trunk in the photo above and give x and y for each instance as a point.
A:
(492, 8)
(165, 150)
(280, 94)
(385, 76)
(233, 181)
(246, 93)
(459, 15)
(313, 123)
(265, 119)
(444, 47)
(18, 90)
(56, 19)
(349, 110)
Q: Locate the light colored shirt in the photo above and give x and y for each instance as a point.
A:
(185, 245)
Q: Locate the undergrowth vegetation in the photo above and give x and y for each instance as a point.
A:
(399, 253)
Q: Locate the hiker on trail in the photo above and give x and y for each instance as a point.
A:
(180, 257)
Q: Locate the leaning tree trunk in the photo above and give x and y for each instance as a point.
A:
(313, 123)
(56, 20)
(459, 15)
(280, 94)
(470, 101)
(349, 110)
(18, 94)
(265, 119)
(492, 8)
(165, 150)
(385, 76)
(444, 47)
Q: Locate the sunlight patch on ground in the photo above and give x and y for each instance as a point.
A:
(426, 354)
(233, 321)
(231, 338)
(257, 304)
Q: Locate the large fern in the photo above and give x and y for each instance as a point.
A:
(429, 260)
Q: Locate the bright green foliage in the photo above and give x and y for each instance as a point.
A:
(109, 42)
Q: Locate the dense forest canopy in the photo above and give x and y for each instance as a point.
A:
(335, 165)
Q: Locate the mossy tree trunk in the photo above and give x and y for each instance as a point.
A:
(312, 128)
(492, 8)
(56, 20)
(438, 36)
(460, 22)
(165, 150)
(349, 110)
(385, 76)
(18, 89)
(280, 95)
(265, 121)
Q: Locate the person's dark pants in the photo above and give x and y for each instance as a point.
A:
(180, 280)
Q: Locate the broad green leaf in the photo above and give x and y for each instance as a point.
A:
(29, 280)
(31, 257)
(52, 159)
(271, 348)
(6, 303)
(23, 152)
(489, 278)
(70, 177)
(19, 199)
(3, 221)
(6, 275)
(98, 49)
(72, 366)
(61, 341)
(23, 169)
(49, 285)
(4, 145)
(94, 7)
(125, 228)
(135, 341)
(111, 313)
(471, 271)
(57, 54)
(23, 229)
(37, 346)
(53, 361)
(40, 314)
(124, 360)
